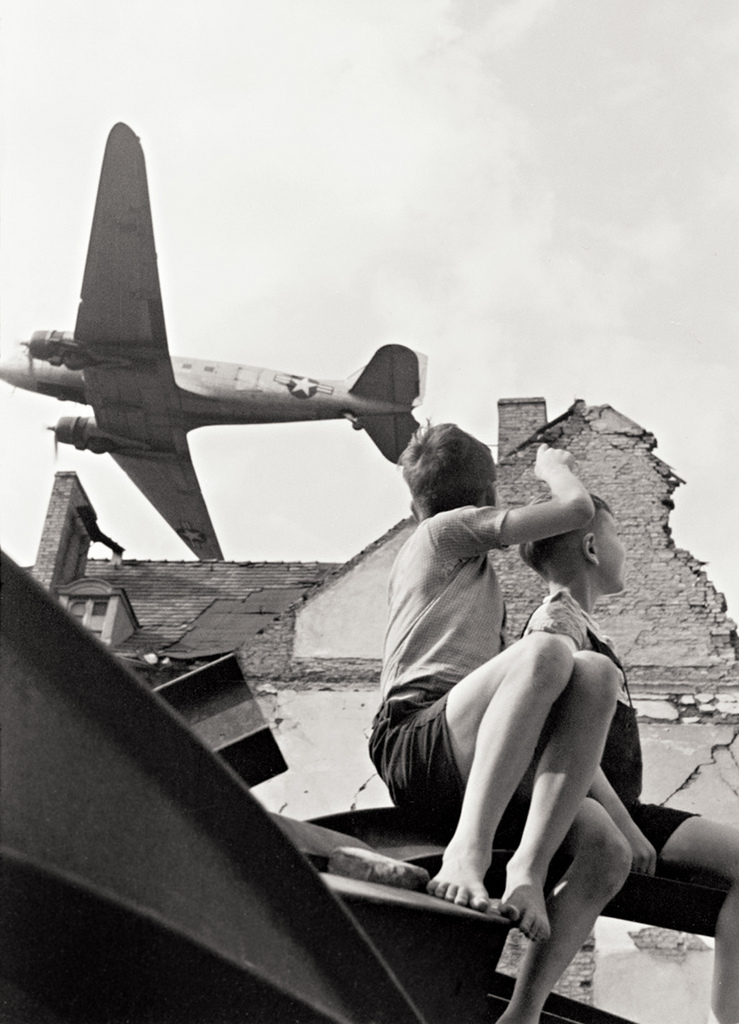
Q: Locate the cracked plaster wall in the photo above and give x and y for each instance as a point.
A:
(323, 734)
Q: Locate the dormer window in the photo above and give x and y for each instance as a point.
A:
(90, 613)
(103, 609)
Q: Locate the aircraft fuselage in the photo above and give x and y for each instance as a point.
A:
(213, 392)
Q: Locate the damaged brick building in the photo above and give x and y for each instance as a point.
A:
(308, 636)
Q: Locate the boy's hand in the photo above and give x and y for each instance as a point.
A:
(644, 854)
(568, 508)
(551, 460)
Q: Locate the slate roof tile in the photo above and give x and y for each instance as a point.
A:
(168, 596)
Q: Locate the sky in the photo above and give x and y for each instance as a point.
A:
(540, 195)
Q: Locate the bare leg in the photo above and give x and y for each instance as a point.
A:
(700, 843)
(496, 717)
(577, 730)
(601, 862)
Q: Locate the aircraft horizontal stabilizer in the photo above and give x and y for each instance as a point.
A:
(391, 433)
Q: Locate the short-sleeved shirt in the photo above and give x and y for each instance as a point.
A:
(561, 614)
(622, 759)
(446, 609)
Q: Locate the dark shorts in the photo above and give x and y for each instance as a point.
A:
(411, 749)
(658, 823)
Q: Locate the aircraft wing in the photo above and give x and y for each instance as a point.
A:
(121, 309)
(120, 330)
(171, 485)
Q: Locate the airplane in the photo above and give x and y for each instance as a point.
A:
(145, 401)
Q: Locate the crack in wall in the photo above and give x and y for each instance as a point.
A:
(714, 760)
(725, 752)
(361, 789)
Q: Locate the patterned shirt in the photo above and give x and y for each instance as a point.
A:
(446, 607)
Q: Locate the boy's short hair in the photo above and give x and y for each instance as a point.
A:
(537, 554)
(446, 468)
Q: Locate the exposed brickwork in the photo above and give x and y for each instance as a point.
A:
(62, 552)
(668, 944)
(269, 654)
(670, 624)
(577, 980)
(518, 419)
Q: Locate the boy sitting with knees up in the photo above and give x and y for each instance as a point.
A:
(467, 728)
(581, 566)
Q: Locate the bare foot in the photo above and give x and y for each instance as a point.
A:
(460, 881)
(525, 895)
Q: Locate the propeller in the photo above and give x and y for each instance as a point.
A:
(56, 443)
(29, 358)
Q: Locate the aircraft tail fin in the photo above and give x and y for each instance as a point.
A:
(395, 375)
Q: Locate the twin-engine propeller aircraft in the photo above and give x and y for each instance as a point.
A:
(144, 401)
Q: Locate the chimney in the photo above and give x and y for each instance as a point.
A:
(518, 419)
(65, 541)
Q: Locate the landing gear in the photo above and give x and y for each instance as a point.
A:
(349, 415)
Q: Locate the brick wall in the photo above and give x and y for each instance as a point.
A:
(669, 624)
(62, 552)
(518, 419)
(577, 980)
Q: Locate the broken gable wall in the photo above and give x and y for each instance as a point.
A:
(669, 625)
(316, 669)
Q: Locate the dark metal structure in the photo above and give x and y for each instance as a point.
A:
(143, 884)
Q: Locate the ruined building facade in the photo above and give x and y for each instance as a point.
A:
(308, 636)
(670, 625)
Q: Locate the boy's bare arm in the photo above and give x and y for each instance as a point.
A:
(644, 854)
(569, 507)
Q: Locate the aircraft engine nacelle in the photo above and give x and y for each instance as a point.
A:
(84, 433)
(58, 348)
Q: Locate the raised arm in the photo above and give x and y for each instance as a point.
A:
(569, 507)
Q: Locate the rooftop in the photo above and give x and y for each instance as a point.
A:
(168, 596)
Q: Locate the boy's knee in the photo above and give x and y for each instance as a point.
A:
(617, 862)
(598, 675)
(608, 857)
(548, 660)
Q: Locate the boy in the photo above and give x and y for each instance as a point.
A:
(580, 567)
(462, 719)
